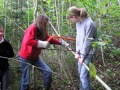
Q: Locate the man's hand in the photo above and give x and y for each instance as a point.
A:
(81, 60)
(77, 56)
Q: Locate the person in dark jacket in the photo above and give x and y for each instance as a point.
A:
(6, 51)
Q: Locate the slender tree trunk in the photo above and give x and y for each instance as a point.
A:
(28, 12)
(57, 16)
(4, 6)
(35, 8)
(119, 2)
(102, 54)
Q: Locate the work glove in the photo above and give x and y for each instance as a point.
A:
(42, 44)
(64, 43)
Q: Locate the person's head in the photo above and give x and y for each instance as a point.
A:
(1, 31)
(41, 23)
(76, 14)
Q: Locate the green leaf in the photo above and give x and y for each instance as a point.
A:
(100, 43)
(92, 70)
(110, 73)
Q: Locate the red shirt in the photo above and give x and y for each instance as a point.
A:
(29, 49)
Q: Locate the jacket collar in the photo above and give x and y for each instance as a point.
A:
(2, 40)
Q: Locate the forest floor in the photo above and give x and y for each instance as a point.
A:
(108, 70)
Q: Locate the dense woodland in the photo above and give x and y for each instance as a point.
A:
(17, 15)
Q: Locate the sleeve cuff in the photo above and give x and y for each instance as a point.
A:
(77, 52)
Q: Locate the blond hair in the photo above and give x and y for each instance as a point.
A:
(74, 11)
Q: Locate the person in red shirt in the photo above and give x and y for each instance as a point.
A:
(35, 38)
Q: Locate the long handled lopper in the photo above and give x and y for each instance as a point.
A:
(100, 80)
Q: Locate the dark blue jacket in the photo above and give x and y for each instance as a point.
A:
(6, 50)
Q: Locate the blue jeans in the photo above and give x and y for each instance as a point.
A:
(44, 69)
(4, 80)
(84, 74)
